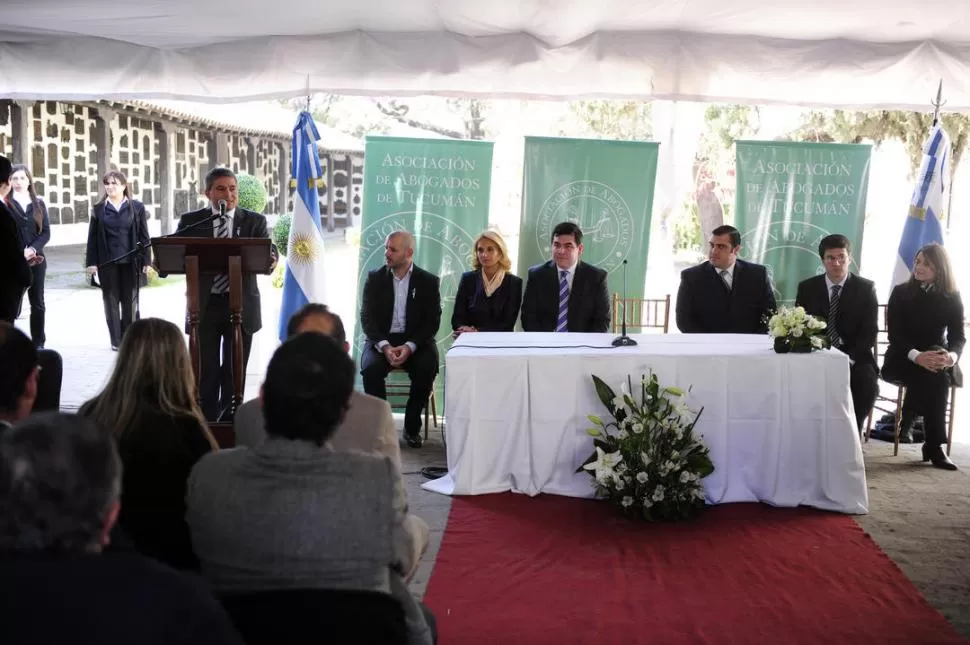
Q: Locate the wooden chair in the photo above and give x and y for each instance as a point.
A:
(641, 313)
(890, 399)
(397, 396)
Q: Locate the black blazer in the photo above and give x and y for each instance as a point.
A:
(29, 235)
(496, 313)
(858, 320)
(423, 311)
(14, 272)
(97, 249)
(589, 299)
(705, 306)
(920, 320)
(244, 224)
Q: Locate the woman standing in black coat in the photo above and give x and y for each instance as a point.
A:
(118, 226)
(30, 213)
(926, 338)
(489, 297)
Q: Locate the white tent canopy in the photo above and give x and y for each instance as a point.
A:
(863, 53)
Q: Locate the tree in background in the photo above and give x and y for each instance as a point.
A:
(624, 120)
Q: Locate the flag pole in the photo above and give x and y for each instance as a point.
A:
(937, 104)
(308, 94)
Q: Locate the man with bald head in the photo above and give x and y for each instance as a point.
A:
(400, 312)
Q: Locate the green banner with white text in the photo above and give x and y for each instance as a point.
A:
(792, 194)
(438, 189)
(606, 187)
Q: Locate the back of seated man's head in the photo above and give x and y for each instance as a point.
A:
(318, 318)
(60, 481)
(18, 373)
(307, 388)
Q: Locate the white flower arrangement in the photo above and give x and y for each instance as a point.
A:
(647, 460)
(796, 331)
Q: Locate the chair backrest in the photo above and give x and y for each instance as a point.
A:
(882, 336)
(641, 313)
(317, 617)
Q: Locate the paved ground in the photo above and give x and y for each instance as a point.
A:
(920, 516)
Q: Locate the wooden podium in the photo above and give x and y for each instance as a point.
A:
(197, 256)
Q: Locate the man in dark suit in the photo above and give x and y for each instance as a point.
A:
(400, 312)
(724, 295)
(14, 270)
(849, 306)
(566, 294)
(215, 327)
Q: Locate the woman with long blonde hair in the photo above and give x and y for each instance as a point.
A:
(149, 405)
(490, 295)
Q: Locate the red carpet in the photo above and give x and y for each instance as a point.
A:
(555, 571)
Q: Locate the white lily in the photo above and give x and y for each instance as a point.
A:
(605, 464)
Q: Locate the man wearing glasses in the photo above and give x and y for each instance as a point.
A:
(848, 304)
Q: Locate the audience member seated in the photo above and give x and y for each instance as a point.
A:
(369, 424)
(18, 375)
(49, 380)
(294, 514)
(60, 480)
(149, 405)
(490, 295)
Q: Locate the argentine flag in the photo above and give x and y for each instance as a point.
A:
(303, 282)
(927, 209)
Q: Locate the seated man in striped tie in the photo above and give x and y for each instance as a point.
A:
(565, 293)
(215, 327)
(849, 306)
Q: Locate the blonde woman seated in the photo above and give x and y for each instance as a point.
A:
(149, 405)
(489, 296)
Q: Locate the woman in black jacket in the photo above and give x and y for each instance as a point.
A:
(118, 226)
(30, 213)
(14, 272)
(489, 296)
(926, 338)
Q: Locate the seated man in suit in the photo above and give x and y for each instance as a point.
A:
(848, 304)
(566, 294)
(294, 514)
(368, 426)
(18, 377)
(215, 326)
(724, 294)
(400, 312)
(61, 483)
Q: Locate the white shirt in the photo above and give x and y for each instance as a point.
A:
(23, 199)
(399, 318)
(570, 274)
(829, 284)
(229, 219)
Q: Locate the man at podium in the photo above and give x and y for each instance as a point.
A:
(215, 327)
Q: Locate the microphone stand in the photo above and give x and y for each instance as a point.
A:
(141, 246)
(623, 340)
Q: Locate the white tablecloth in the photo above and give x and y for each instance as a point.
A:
(780, 428)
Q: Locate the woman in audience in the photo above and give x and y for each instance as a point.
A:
(30, 213)
(150, 406)
(489, 296)
(926, 337)
(118, 225)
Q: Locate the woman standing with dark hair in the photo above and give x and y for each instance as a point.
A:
(926, 337)
(118, 226)
(30, 213)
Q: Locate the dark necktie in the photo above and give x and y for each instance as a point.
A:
(220, 283)
(726, 278)
(563, 302)
(833, 332)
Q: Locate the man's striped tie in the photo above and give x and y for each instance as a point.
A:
(831, 329)
(220, 283)
(563, 302)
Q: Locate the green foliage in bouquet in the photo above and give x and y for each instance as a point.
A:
(648, 460)
(794, 330)
(252, 193)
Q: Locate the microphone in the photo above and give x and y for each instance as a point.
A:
(222, 209)
(623, 340)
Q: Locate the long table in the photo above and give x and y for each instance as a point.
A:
(781, 428)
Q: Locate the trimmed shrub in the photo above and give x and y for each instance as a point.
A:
(252, 193)
(281, 233)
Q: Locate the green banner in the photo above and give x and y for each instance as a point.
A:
(436, 188)
(606, 187)
(792, 194)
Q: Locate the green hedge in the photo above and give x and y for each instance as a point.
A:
(281, 233)
(252, 193)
